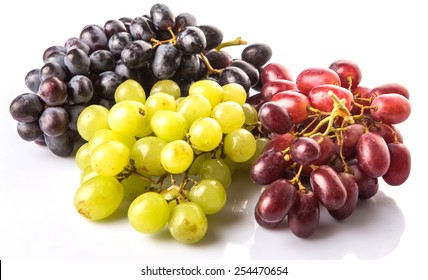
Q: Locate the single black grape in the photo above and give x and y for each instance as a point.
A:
(53, 91)
(137, 54)
(166, 61)
(183, 20)
(77, 61)
(257, 54)
(232, 74)
(54, 121)
(29, 131)
(94, 36)
(32, 80)
(142, 28)
(106, 83)
(191, 40)
(26, 107)
(162, 17)
(249, 69)
(114, 26)
(213, 35)
(61, 145)
(52, 69)
(80, 89)
(101, 61)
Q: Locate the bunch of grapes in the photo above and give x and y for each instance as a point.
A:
(330, 141)
(87, 70)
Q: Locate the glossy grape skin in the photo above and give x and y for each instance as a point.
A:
(316, 76)
(328, 187)
(275, 118)
(399, 168)
(137, 54)
(279, 142)
(53, 49)
(80, 89)
(76, 43)
(319, 98)
(263, 223)
(218, 59)
(275, 71)
(26, 107)
(251, 71)
(54, 121)
(276, 201)
(257, 54)
(94, 36)
(106, 83)
(191, 40)
(162, 17)
(166, 61)
(389, 132)
(390, 88)
(351, 186)
(304, 216)
(189, 65)
(268, 167)
(373, 155)
(53, 69)
(304, 150)
(391, 108)
(61, 145)
(233, 74)
(142, 28)
(113, 26)
(213, 35)
(367, 186)
(273, 87)
(77, 62)
(295, 103)
(350, 138)
(327, 149)
(349, 73)
(101, 61)
(32, 80)
(188, 223)
(182, 20)
(29, 131)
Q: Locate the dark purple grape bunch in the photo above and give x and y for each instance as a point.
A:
(330, 141)
(87, 70)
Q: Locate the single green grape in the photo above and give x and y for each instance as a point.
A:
(129, 117)
(188, 223)
(197, 161)
(229, 115)
(98, 197)
(83, 157)
(208, 88)
(130, 90)
(240, 145)
(174, 197)
(87, 174)
(251, 116)
(194, 107)
(149, 213)
(234, 92)
(91, 119)
(110, 158)
(166, 86)
(205, 134)
(169, 125)
(209, 194)
(135, 185)
(160, 101)
(215, 168)
(105, 135)
(177, 156)
(146, 156)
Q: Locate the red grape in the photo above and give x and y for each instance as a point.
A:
(275, 71)
(328, 187)
(316, 76)
(304, 150)
(304, 216)
(295, 103)
(320, 99)
(349, 73)
(350, 139)
(390, 88)
(399, 168)
(373, 155)
(275, 118)
(391, 108)
(350, 184)
(268, 167)
(273, 87)
(367, 186)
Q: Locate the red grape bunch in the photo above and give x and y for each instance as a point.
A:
(330, 140)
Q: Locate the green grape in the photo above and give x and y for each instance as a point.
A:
(87, 174)
(130, 90)
(110, 158)
(229, 115)
(83, 157)
(177, 156)
(166, 86)
(174, 197)
(160, 101)
(194, 107)
(129, 117)
(234, 92)
(217, 169)
(208, 88)
(169, 125)
(146, 155)
(135, 185)
(205, 134)
(91, 119)
(98, 197)
(188, 223)
(260, 145)
(229, 162)
(197, 161)
(240, 145)
(209, 194)
(251, 116)
(106, 135)
(149, 213)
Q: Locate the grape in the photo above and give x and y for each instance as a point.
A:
(141, 28)
(213, 36)
(166, 61)
(218, 59)
(304, 216)
(75, 43)
(348, 71)
(229, 115)
(77, 62)
(110, 158)
(251, 71)
(390, 108)
(205, 134)
(114, 26)
(400, 164)
(130, 90)
(209, 194)
(304, 150)
(373, 155)
(162, 17)
(390, 88)
(350, 139)
(275, 118)
(273, 87)
(52, 69)
(210, 89)
(320, 99)
(328, 187)
(166, 86)
(54, 121)
(191, 40)
(105, 135)
(26, 107)
(29, 131)
(98, 197)
(149, 213)
(94, 36)
(101, 61)
(388, 132)
(169, 125)
(176, 156)
(83, 157)
(53, 91)
(188, 223)
(327, 150)
(106, 83)
(146, 154)
(276, 201)
(234, 92)
(316, 76)
(189, 65)
(194, 107)
(239, 145)
(80, 89)
(183, 20)
(268, 167)
(118, 42)
(129, 117)
(135, 185)
(137, 54)
(275, 71)
(217, 169)
(350, 184)
(32, 80)
(159, 101)
(295, 103)
(233, 74)
(367, 186)
(257, 54)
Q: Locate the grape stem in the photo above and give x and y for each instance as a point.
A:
(173, 39)
(236, 42)
(210, 69)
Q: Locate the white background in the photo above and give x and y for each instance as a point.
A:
(386, 38)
